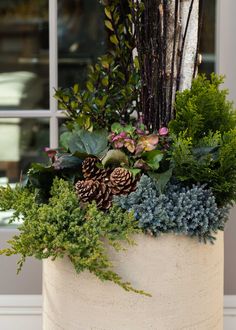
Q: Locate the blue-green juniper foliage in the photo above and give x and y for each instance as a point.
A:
(187, 210)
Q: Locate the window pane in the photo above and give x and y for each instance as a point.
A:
(22, 142)
(24, 65)
(81, 38)
(207, 40)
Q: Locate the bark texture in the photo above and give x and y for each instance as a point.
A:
(166, 34)
(189, 21)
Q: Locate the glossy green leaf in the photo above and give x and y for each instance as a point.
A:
(64, 139)
(114, 39)
(116, 128)
(115, 157)
(107, 12)
(109, 25)
(91, 143)
(153, 158)
(161, 179)
(76, 88)
(90, 86)
(105, 81)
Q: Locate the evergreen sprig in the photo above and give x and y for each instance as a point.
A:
(203, 109)
(113, 83)
(62, 228)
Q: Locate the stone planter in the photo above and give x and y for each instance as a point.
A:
(184, 277)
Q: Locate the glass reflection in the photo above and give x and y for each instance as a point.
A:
(81, 38)
(22, 142)
(207, 40)
(24, 54)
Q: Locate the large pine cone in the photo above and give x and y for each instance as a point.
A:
(92, 171)
(122, 182)
(93, 190)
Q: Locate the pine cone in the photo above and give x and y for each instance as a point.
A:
(86, 190)
(104, 197)
(93, 190)
(92, 171)
(122, 181)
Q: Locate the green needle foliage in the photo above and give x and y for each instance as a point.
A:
(62, 228)
(203, 109)
(203, 148)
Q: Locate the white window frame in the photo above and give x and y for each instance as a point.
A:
(53, 114)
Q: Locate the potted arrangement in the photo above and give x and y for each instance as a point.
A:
(144, 162)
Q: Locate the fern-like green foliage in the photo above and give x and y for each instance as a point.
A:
(203, 148)
(203, 109)
(62, 228)
(211, 162)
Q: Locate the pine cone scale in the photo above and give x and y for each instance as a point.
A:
(121, 181)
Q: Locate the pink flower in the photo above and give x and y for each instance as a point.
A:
(163, 131)
(130, 145)
(140, 131)
(147, 143)
(51, 153)
(120, 136)
(111, 136)
(118, 144)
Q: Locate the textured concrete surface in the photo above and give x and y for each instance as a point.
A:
(184, 277)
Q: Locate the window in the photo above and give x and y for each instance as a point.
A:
(43, 44)
(207, 40)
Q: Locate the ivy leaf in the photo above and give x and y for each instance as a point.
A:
(91, 143)
(115, 157)
(67, 161)
(161, 179)
(64, 139)
(153, 158)
(134, 171)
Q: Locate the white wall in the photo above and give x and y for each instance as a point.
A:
(29, 281)
(20, 312)
(226, 65)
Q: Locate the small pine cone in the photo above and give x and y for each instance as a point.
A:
(86, 190)
(92, 171)
(122, 181)
(104, 197)
(93, 190)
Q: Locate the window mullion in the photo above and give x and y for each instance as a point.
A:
(53, 72)
(24, 113)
